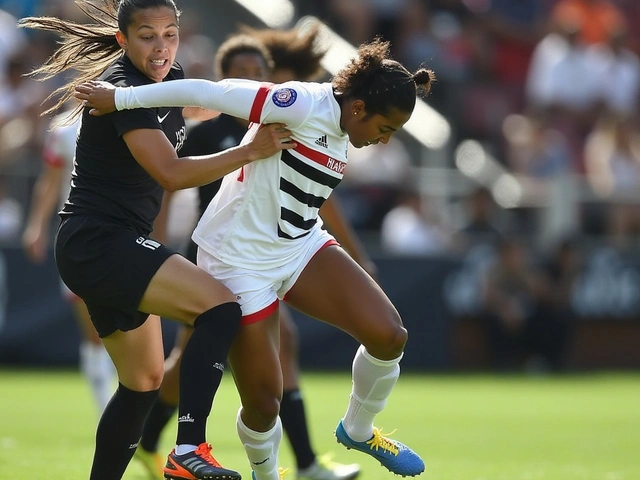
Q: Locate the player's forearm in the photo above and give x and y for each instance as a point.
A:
(208, 168)
(44, 201)
(216, 96)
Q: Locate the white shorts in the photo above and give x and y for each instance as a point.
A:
(258, 291)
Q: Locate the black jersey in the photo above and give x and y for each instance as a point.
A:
(107, 182)
(208, 137)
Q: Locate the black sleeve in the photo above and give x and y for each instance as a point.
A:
(141, 118)
(134, 120)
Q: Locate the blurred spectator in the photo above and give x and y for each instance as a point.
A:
(476, 241)
(11, 215)
(561, 74)
(619, 75)
(562, 269)
(481, 225)
(362, 20)
(11, 40)
(514, 28)
(411, 227)
(416, 43)
(196, 48)
(563, 85)
(594, 19)
(612, 157)
(521, 327)
(353, 19)
(453, 57)
(535, 152)
(21, 126)
(483, 101)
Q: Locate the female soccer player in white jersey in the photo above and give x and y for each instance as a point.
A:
(287, 55)
(261, 236)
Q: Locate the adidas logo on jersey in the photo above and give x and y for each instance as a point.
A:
(322, 141)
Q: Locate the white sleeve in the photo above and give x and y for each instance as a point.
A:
(290, 103)
(247, 99)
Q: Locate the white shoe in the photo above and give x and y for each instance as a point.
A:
(324, 469)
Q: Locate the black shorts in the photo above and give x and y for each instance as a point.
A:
(192, 252)
(109, 266)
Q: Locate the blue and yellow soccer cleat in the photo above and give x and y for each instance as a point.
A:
(393, 455)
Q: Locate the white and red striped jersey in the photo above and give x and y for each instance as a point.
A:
(60, 149)
(263, 211)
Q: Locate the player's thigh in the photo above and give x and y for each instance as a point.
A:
(335, 289)
(288, 332)
(138, 355)
(83, 319)
(288, 348)
(256, 370)
(181, 291)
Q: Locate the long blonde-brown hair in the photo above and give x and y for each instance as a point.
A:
(86, 49)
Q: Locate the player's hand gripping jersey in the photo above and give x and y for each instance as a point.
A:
(264, 210)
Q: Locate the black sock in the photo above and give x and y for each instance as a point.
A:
(119, 431)
(201, 369)
(294, 423)
(159, 416)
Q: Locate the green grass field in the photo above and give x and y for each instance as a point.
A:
(584, 427)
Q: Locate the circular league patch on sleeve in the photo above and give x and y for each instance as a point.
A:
(284, 97)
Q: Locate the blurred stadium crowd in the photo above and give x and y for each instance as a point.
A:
(537, 190)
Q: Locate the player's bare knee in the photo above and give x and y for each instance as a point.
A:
(388, 343)
(146, 381)
(155, 378)
(262, 412)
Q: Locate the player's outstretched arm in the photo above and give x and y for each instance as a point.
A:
(247, 99)
(231, 97)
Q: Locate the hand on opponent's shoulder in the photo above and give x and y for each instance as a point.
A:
(97, 95)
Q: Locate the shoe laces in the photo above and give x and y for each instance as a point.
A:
(282, 471)
(204, 452)
(378, 441)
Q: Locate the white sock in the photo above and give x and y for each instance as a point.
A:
(373, 380)
(97, 366)
(262, 448)
(185, 448)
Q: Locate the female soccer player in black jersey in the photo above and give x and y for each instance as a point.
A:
(104, 254)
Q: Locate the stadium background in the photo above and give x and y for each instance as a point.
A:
(492, 117)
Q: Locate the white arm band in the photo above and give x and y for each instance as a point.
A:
(233, 97)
